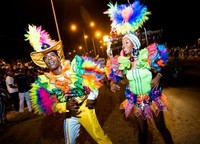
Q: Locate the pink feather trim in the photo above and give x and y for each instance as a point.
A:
(47, 102)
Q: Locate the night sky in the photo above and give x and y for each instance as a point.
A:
(180, 21)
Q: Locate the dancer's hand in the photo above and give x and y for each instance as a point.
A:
(156, 81)
(90, 103)
(72, 106)
(114, 87)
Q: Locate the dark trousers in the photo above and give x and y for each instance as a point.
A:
(15, 99)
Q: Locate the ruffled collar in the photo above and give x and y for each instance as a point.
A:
(64, 83)
(142, 61)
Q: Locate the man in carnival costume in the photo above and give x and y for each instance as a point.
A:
(68, 86)
(142, 68)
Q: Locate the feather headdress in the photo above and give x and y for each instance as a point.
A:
(39, 39)
(127, 18)
(42, 43)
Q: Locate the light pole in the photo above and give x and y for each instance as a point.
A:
(73, 27)
(146, 37)
(97, 35)
(95, 53)
(85, 37)
(54, 14)
(92, 25)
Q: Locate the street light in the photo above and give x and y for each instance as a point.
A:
(85, 40)
(73, 27)
(80, 47)
(92, 24)
(85, 37)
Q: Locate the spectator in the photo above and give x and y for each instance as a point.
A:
(23, 85)
(12, 89)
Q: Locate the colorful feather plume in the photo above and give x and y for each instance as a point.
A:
(39, 39)
(127, 18)
(42, 101)
(158, 55)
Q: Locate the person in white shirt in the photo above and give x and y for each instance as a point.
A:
(12, 89)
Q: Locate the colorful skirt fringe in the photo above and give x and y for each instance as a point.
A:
(144, 105)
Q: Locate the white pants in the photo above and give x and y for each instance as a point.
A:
(21, 101)
(71, 130)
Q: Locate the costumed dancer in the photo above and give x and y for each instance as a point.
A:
(144, 97)
(69, 86)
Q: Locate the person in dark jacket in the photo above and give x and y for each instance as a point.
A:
(23, 85)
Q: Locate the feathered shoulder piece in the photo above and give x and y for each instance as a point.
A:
(127, 18)
(158, 55)
(39, 39)
(42, 99)
(88, 73)
(86, 65)
(112, 69)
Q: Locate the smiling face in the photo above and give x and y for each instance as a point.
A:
(52, 60)
(127, 46)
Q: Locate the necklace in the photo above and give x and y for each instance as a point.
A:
(134, 55)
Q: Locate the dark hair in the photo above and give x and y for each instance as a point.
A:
(54, 51)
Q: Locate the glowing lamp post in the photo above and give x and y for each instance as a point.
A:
(74, 28)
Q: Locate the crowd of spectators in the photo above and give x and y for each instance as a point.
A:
(24, 73)
(185, 52)
(28, 67)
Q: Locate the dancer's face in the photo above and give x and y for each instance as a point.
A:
(52, 60)
(127, 46)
